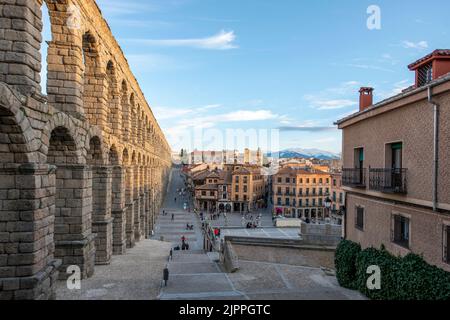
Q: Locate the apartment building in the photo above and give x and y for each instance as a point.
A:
(337, 197)
(248, 188)
(396, 158)
(301, 193)
(236, 188)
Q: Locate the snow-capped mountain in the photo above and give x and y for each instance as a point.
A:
(305, 153)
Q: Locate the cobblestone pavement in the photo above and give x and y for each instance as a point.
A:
(134, 276)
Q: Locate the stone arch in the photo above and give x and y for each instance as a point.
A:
(114, 114)
(62, 120)
(64, 58)
(16, 133)
(101, 201)
(93, 80)
(118, 209)
(73, 209)
(95, 152)
(126, 113)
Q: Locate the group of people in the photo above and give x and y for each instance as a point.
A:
(250, 222)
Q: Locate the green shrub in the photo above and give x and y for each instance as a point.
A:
(389, 266)
(345, 263)
(417, 280)
(407, 278)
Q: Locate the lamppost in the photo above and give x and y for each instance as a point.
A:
(328, 206)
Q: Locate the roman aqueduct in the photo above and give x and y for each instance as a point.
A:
(83, 168)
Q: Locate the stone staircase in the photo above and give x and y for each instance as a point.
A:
(194, 275)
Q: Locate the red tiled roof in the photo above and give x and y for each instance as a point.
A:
(435, 53)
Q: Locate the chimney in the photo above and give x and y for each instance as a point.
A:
(365, 98)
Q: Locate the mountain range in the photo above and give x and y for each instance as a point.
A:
(305, 153)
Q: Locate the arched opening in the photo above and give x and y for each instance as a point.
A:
(129, 198)
(92, 81)
(126, 121)
(13, 146)
(101, 202)
(118, 202)
(114, 117)
(73, 206)
(46, 38)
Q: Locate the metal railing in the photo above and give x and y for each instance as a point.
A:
(388, 180)
(355, 177)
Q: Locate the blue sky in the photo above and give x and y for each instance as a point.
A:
(268, 64)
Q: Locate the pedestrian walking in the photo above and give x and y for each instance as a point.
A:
(166, 276)
(173, 216)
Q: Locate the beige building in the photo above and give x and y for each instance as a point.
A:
(236, 188)
(301, 192)
(396, 172)
(337, 197)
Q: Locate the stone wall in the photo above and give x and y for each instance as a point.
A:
(83, 168)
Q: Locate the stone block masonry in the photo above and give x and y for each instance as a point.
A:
(83, 168)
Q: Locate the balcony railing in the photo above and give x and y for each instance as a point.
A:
(354, 177)
(388, 180)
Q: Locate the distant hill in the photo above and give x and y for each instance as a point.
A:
(305, 153)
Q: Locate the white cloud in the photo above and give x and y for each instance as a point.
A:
(221, 41)
(333, 104)
(415, 45)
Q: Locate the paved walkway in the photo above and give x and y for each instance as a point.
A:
(133, 276)
(195, 275)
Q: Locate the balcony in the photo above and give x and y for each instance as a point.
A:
(388, 180)
(355, 178)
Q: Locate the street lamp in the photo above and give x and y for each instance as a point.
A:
(328, 205)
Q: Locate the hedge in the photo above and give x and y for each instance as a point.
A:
(407, 278)
(345, 261)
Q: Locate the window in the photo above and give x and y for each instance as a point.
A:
(307, 181)
(307, 202)
(401, 231)
(224, 188)
(236, 189)
(287, 202)
(300, 203)
(287, 191)
(236, 198)
(245, 188)
(288, 180)
(237, 179)
(447, 244)
(320, 180)
(300, 192)
(341, 198)
(245, 197)
(279, 190)
(294, 180)
(204, 193)
(301, 180)
(245, 179)
(320, 202)
(224, 196)
(279, 201)
(334, 183)
(425, 74)
(359, 158)
(359, 223)
(314, 202)
(314, 180)
(334, 196)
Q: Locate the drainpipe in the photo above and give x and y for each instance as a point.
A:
(435, 146)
